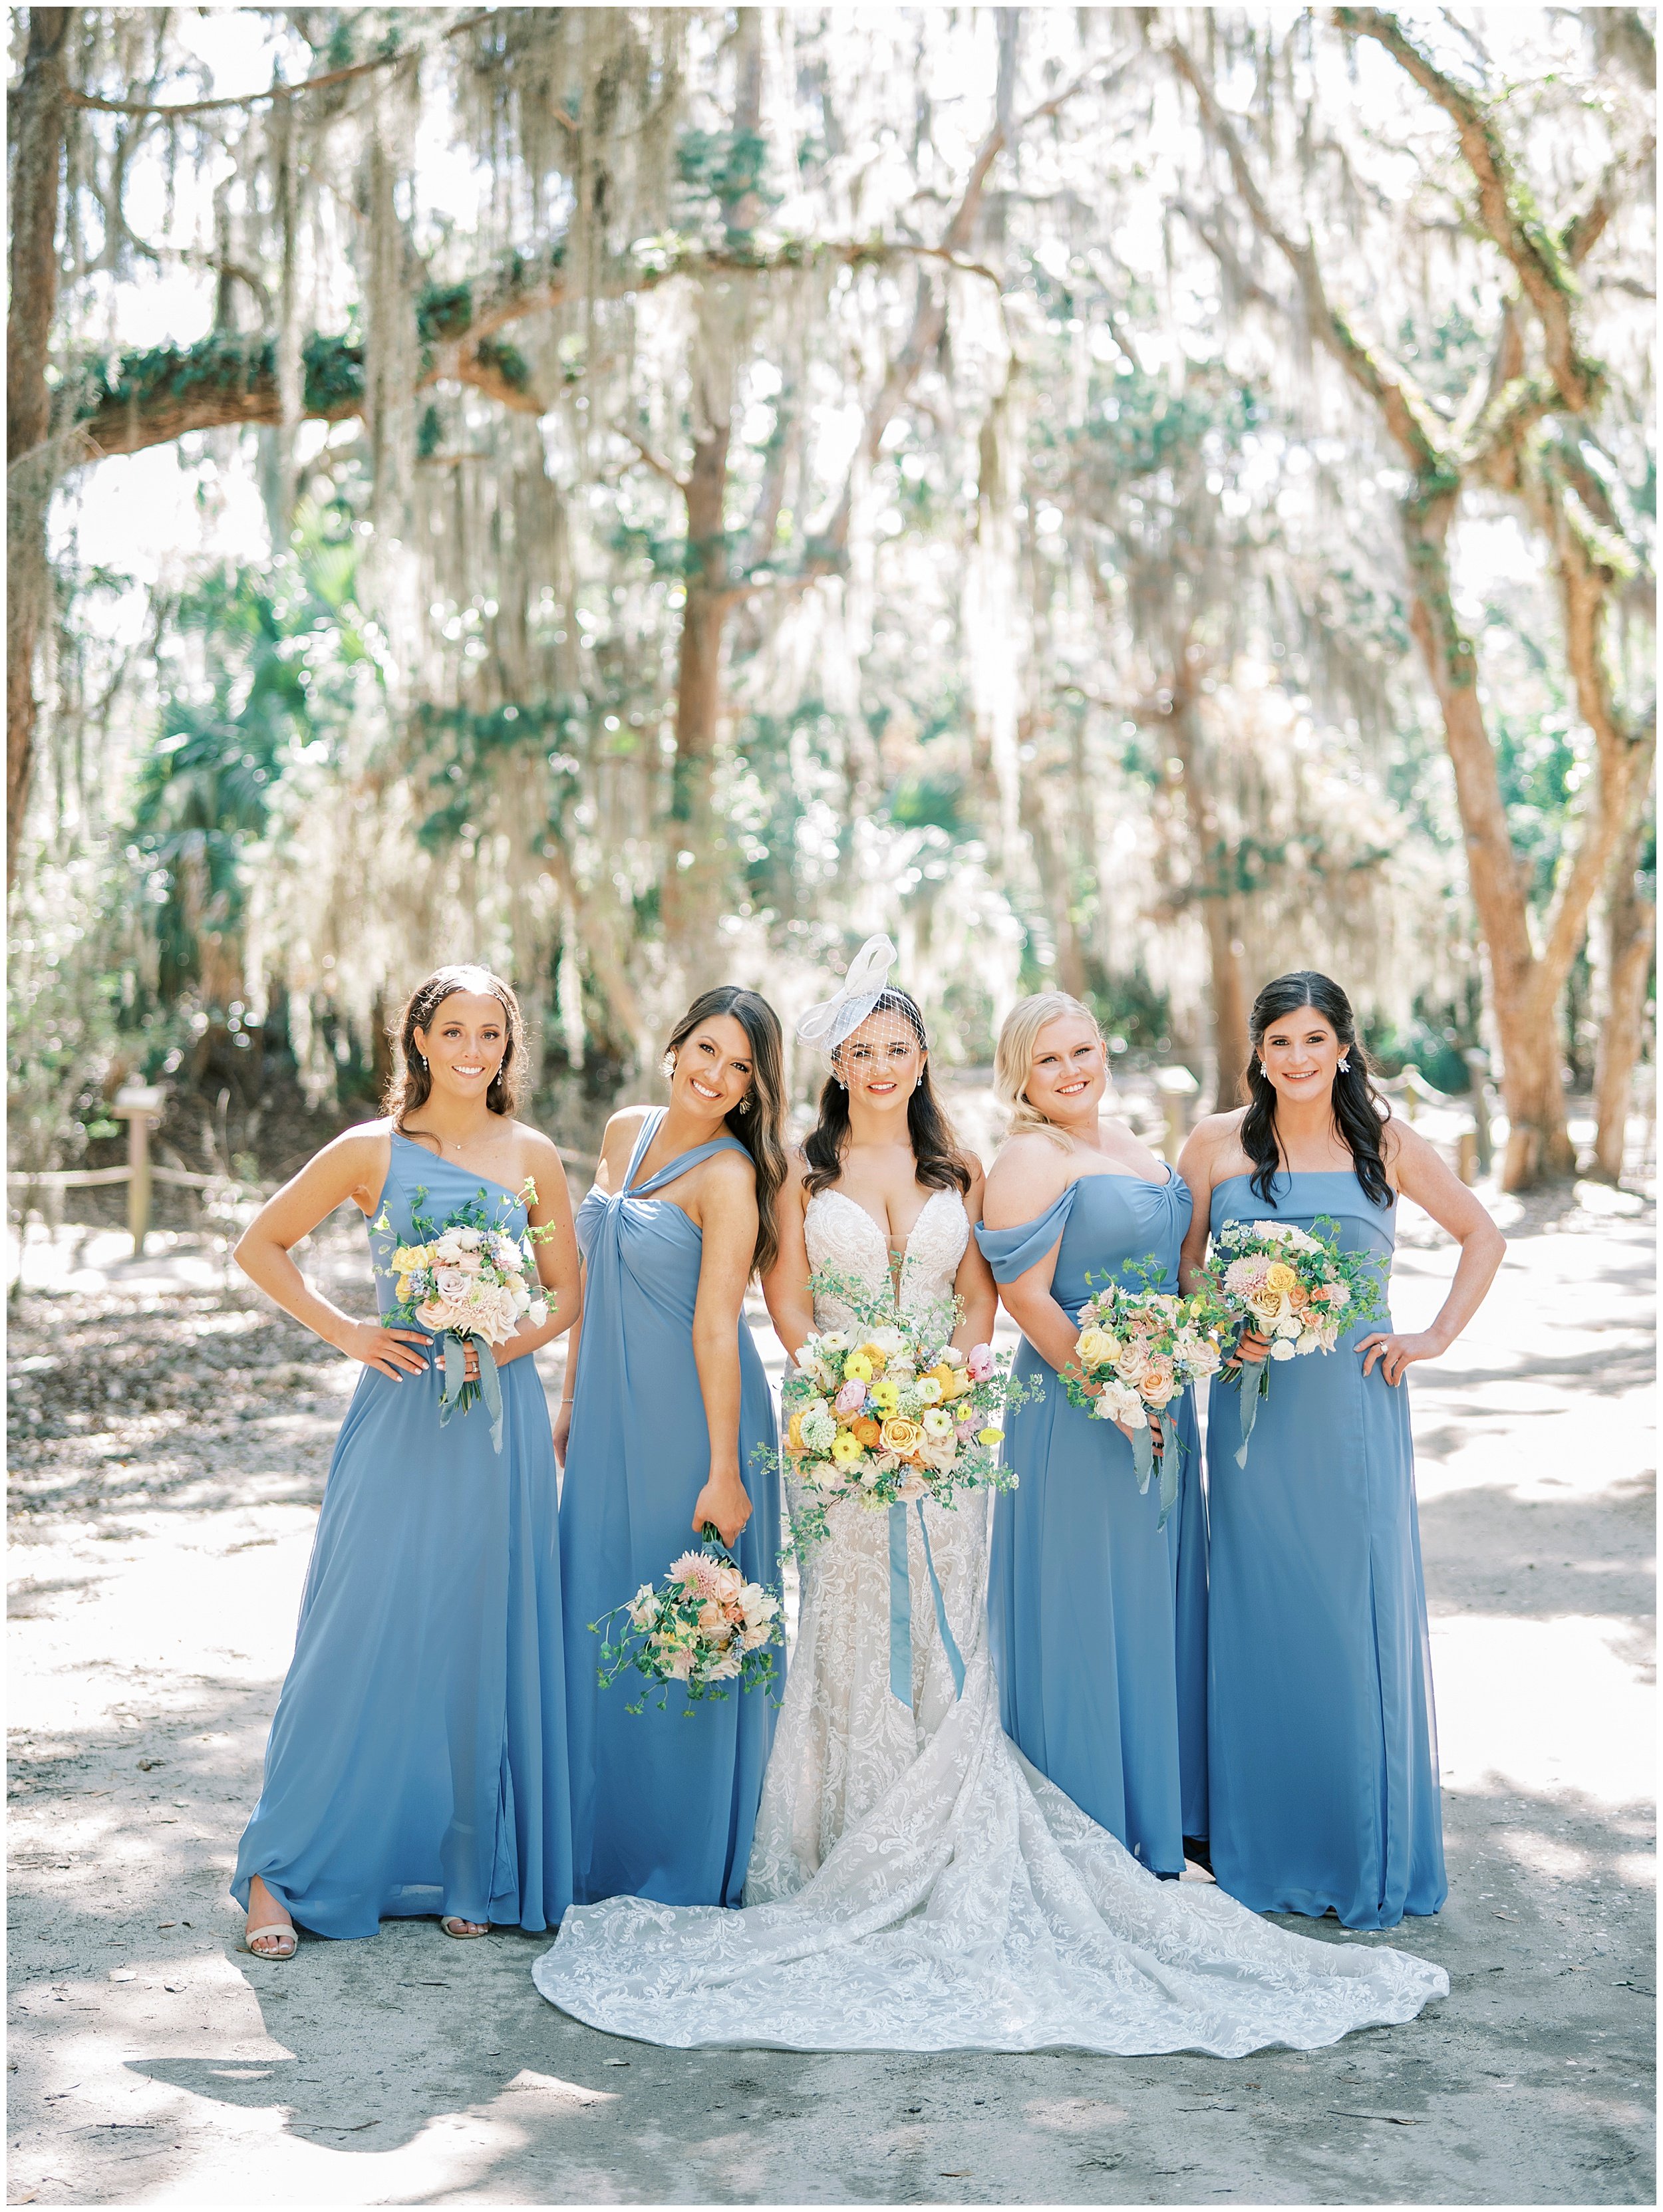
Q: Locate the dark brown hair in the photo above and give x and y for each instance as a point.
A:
(411, 1085)
(1359, 1108)
(937, 1162)
(762, 1129)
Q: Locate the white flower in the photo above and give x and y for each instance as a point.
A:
(1310, 1341)
(537, 1312)
(1116, 1402)
(929, 1390)
(469, 1239)
(889, 1342)
(937, 1421)
(834, 1340)
(519, 1294)
(1281, 1349)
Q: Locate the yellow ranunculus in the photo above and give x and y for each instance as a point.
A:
(955, 1381)
(874, 1353)
(885, 1397)
(1281, 1277)
(857, 1368)
(845, 1448)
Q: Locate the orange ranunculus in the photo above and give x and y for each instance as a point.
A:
(900, 1436)
(794, 1441)
(867, 1432)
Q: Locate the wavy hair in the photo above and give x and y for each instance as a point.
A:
(1359, 1108)
(1013, 1059)
(411, 1083)
(938, 1163)
(761, 1130)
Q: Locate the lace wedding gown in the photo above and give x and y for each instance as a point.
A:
(915, 1884)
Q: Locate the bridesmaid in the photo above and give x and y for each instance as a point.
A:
(417, 1758)
(666, 1402)
(1323, 1761)
(1098, 1615)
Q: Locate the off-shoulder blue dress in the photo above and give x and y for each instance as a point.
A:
(417, 1758)
(663, 1801)
(1098, 1616)
(1323, 1743)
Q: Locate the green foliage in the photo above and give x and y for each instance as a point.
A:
(284, 655)
(464, 749)
(63, 994)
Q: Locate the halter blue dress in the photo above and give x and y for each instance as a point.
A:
(663, 1802)
(1323, 1743)
(1098, 1616)
(417, 1758)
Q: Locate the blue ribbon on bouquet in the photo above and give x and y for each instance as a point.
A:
(900, 1609)
(1143, 1461)
(455, 1383)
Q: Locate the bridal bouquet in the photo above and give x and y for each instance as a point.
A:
(1297, 1287)
(703, 1626)
(887, 1411)
(1139, 1347)
(468, 1278)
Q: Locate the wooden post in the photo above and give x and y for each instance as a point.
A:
(138, 1105)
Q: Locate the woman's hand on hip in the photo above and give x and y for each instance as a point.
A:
(1396, 1354)
(392, 1351)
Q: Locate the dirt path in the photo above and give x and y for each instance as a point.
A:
(168, 1446)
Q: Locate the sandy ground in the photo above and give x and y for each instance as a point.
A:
(169, 1440)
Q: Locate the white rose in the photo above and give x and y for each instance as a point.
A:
(1310, 1341)
(537, 1312)
(1281, 1349)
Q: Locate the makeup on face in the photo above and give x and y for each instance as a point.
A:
(1068, 1073)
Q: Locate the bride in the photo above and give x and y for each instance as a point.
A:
(914, 1883)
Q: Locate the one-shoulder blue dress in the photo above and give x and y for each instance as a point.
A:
(417, 1758)
(1323, 1743)
(1098, 1616)
(663, 1801)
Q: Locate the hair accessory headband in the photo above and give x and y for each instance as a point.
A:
(827, 1025)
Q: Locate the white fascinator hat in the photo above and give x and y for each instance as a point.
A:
(825, 1027)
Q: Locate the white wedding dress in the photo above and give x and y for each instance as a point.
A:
(915, 1884)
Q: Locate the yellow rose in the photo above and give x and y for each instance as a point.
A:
(857, 1368)
(401, 1290)
(845, 1448)
(408, 1257)
(900, 1436)
(1096, 1348)
(1280, 1277)
(885, 1397)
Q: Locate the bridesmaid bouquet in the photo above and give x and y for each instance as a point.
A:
(1297, 1287)
(703, 1627)
(468, 1278)
(1137, 1349)
(887, 1412)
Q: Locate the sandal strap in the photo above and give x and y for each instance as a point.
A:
(277, 1928)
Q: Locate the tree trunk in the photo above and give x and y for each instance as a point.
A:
(1629, 941)
(1524, 993)
(696, 875)
(1218, 905)
(37, 113)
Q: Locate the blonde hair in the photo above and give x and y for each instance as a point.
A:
(1013, 1058)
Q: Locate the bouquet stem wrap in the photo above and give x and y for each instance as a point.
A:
(1250, 1394)
(454, 1393)
(1145, 1460)
(900, 1609)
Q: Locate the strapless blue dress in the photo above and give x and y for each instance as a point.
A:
(417, 1758)
(1323, 1743)
(1098, 1617)
(664, 1801)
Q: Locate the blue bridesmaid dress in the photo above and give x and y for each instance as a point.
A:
(418, 1759)
(1324, 1744)
(1098, 1616)
(663, 1802)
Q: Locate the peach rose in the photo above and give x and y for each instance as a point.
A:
(900, 1436)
